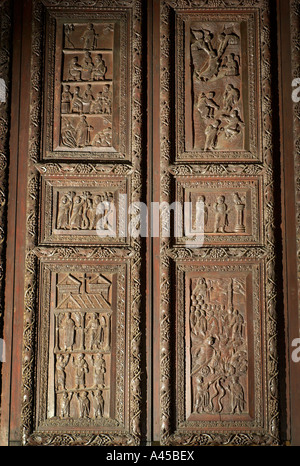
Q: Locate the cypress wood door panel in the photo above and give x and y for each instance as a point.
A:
(81, 358)
(219, 300)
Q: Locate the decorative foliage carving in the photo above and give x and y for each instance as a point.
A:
(5, 75)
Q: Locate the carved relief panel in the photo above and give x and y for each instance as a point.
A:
(84, 209)
(88, 79)
(83, 377)
(216, 86)
(222, 344)
(231, 209)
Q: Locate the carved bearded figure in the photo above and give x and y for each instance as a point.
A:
(67, 332)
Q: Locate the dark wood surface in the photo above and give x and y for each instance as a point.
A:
(151, 374)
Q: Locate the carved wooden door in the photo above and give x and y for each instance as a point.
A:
(216, 310)
(129, 338)
(81, 372)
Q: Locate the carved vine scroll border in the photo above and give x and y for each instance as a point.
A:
(5, 75)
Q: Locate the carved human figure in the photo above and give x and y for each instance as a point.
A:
(234, 124)
(64, 212)
(206, 355)
(68, 134)
(60, 373)
(200, 323)
(91, 332)
(102, 332)
(90, 212)
(66, 99)
(99, 403)
(236, 324)
(105, 209)
(69, 28)
(203, 41)
(213, 325)
(231, 98)
(212, 133)
(227, 37)
(74, 70)
(237, 396)
(65, 404)
(206, 105)
(201, 288)
(89, 38)
(99, 69)
(81, 369)
(77, 212)
(96, 201)
(202, 396)
(221, 215)
(84, 404)
(67, 332)
(79, 331)
(83, 130)
(212, 67)
(87, 99)
(77, 101)
(103, 138)
(231, 66)
(106, 100)
(201, 211)
(99, 370)
(88, 67)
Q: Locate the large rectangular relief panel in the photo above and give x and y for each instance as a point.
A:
(217, 86)
(83, 378)
(88, 79)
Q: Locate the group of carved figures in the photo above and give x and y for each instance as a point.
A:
(84, 211)
(82, 338)
(91, 69)
(88, 39)
(223, 118)
(87, 64)
(221, 212)
(228, 120)
(83, 332)
(79, 368)
(218, 64)
(229, 123)
(79, 135)
(218, 348)
(86, 103)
